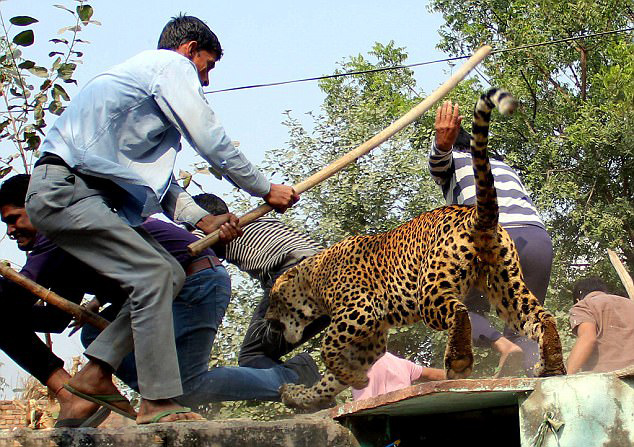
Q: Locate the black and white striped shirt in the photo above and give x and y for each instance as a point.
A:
(267, 246)
(453, 171)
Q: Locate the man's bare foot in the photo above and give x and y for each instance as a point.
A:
(511, 357)
(74, 407)
(96, 380)
(70, 406)
(151, 411)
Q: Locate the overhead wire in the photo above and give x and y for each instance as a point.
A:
(419, 64)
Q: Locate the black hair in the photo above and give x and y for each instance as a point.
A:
(182, 29)
(463, 141)
(211, 203)
(13, 190)
(586, 285)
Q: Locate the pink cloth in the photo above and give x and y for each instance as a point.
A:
(389, 373)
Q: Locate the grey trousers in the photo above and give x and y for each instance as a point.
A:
(79, 218)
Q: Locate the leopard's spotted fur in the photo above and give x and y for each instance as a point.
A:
(420, 270)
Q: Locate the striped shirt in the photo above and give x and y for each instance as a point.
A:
(453, 171)
(267, 246)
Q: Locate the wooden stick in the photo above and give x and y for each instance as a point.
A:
(54, 299)
(626, 279)
(196, 247)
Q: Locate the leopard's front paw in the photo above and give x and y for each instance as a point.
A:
(557, 369)
(459, 367)
(303, 399)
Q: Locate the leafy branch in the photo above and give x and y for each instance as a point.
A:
(24, 116)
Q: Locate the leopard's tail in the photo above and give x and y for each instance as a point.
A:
(486, 197)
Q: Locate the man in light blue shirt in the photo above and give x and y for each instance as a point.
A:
(107, 164)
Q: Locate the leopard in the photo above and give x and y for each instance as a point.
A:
(419, 271)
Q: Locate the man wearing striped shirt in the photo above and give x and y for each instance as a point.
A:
(267, 248)
(451, 167)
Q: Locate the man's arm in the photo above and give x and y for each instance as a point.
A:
(227, 225)
(583, 348)
(178, 93)
(447, 126)
(180, 207)
(48, 265)
(430, 374)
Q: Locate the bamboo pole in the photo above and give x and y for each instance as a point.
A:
(54, 299)
(626, 279)
(196, 247)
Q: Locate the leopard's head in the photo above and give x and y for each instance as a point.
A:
(291, 303)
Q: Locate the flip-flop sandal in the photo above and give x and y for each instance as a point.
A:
(94, 420)
(105, 400)
(158, 416)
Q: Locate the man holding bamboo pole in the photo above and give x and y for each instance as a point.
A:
(107, 165)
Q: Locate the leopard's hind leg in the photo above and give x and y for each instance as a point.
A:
(442, 312)
(522, 312)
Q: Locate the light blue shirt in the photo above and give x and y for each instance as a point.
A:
(126, 125)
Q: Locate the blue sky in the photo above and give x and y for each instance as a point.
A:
(263, 42)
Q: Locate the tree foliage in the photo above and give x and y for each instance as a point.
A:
(30, 90)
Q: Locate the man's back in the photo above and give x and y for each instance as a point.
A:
(268, 246)
(389, 373)
(613, 316)
(115, 128)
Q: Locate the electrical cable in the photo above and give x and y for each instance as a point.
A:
(419, 64)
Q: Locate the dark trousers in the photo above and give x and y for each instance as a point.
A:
(19, 341)
(535, 250)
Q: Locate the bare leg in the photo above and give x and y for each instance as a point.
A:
(511, 356)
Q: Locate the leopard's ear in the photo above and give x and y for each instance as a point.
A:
(299, 272)
(286, 277)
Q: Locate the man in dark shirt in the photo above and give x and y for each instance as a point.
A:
(198, 311)
(52, 268)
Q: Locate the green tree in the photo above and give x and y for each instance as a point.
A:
(31, 89)
(379, 190)
(572, 139)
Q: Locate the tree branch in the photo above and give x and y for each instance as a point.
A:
(550, 79)
(16, 132)
(574, 75)
(534, 96)
(584, 71)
